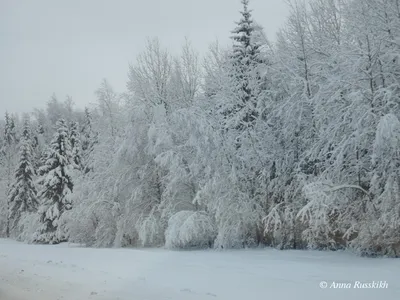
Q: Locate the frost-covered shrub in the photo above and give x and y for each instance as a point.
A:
(316, 216)
(126, 236)
(235, 234)
(93, 226)
(105, 232)
(27, 226)
(150, 231)
(82, 229)
(376, 239)
(190, 229)
(379, 234)
(3, 209)
(282, 229)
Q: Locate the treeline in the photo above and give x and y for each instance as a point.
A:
(293, 144)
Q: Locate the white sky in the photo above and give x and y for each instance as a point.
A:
(67, 47)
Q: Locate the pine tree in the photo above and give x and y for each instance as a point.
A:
(38, 145)
(56, 187)
(22, 196)
(88, 140)
(244, 59)
(9, 129)
(86, 130)
(76, 147)
(9, 156)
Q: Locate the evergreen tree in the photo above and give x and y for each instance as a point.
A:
(9, 157)
(56, 187)
(88, 140)
(38, 144)
(86, 130)
(245, 59)
(22, 196)
(9, 130)
(76, 147)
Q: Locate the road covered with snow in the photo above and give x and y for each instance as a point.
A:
(70, 272)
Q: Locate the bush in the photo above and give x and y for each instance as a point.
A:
(190, 229)
(27, 226)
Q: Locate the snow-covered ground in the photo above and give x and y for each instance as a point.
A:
(69, 272)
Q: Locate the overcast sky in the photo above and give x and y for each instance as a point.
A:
(67, 47)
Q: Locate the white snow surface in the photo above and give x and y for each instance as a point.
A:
(71, 272)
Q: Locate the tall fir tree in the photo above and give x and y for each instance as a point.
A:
(86, 130)
(22, 196)
(9, 130)
(9, 156)
(244, 60)
(38, 145)
(76, 145)
(88, 140)
(56, 187)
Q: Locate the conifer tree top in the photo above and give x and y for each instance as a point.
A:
(244, 27)
(26, 129)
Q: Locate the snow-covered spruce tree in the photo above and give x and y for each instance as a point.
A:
(22, 196)
(237, 202)
(38, 145)
(244, 61)
(56, 188)
(89, 139)
(9, 160)
(76, 146)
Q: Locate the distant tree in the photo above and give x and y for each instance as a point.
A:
(76, 146)
(89, 138)
(109, 105)
(87, 130)
(186, 77)
(149, 78)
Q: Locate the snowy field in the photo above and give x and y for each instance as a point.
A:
(69, 272)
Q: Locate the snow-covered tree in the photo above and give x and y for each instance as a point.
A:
(56, 186)
(186, 77)
(9, 160)
(76, 146)
(60, 110)
(89, 138)
(244, 61)
(292, 144)
(22, 196)
(149, 78)
(109, 107)
(38, 146)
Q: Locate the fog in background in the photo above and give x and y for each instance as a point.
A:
(67, 47)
